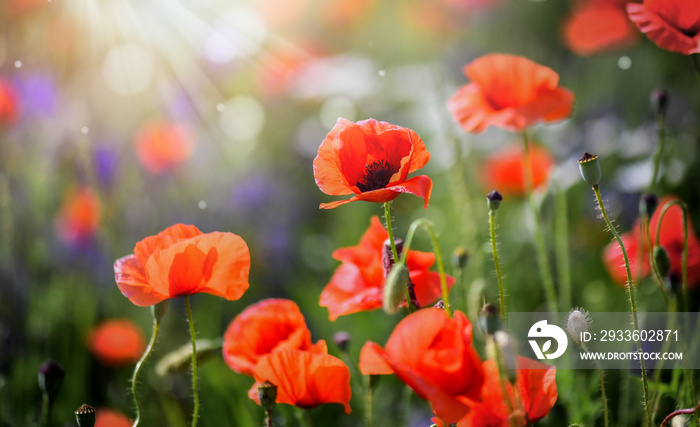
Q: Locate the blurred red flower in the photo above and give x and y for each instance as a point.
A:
(117, 342)
(510, 92)
(267, 326)
(358, 283)
(304, 379)
(673, 25)
(79, 216)
(181, 260)
(9, 104)
(537, 394)
(434, 355)
(598, 26)
(671, 239)
(503, 170)
(371, 159)
(161, 145)
(108, 418)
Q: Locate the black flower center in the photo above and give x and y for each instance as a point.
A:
(377, 175)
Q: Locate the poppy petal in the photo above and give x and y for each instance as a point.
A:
(428, 287)
(151, 244)
(326, 172)
(373, 360)
(538, 387)
(348, 293)
(660, 31)
(131, 279)
(597, 28)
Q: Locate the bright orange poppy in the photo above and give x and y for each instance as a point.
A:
(671, 239)
(537, 394)
(372, 160)
(598, 26)
(267, 326)
(509, 92)
(181, 260)
(9, 103)
(503, 170)
(161, 145)
(358, 283)
(304, 379)
(673, 25)
(434, 355)
(117, 342)
(108, 418)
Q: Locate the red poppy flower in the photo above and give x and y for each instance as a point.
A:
(598, 26)
(181, 260)
(108, 418)
(503, 170)
(434, 355)
(510, 92)
(358, 284)
(537, 394)
(270, 325)
(671, 239)
(673, 25)
(79, 215)
(9, 103)
(117, 342)
(304, 379)
(371, 159)
(161, 146)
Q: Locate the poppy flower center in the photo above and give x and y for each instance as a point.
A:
(377, 175)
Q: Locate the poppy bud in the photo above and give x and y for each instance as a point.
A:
(489, 320)
(388, 257)
(85, 416)
(180, 359)
(342, 340)
(493, 200)
(158, 310)
(51, 375)
(659, 101)
(460, 257)
(577, 324)
(590, 169)
(395, 288)
(648, 204)
(267, 393)
(662, 261)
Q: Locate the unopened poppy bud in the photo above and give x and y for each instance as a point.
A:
(648, 204)
(395, 288)
(590, 169)
(577, 324)
(659, 101)
(460, 257)
(51, 375)
(85, 416)
(489, 320)
(388, 257)
(181, 359)
(158, 310)
(662, 261)
(342, 340)
(267, 393)
(493, 200)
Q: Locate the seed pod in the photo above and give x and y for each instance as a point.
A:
(267, 393)
(590, 169)
(85, 416)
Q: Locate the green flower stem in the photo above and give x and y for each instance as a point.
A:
(503, 380)
(422, 222)
(540, 248)
(633, 304)
(661, 133)
(307, 416)
(139, 365)
(394, 251)
(368, 401)
(406, 405)
(45, 409)
(561, 236)
(696, 65)
(195, 393)
(494, 249)
(603, 396)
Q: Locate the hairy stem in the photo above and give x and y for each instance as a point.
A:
(195, 392)
(139, 365)
(494, 249)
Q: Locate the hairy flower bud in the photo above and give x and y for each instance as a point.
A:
(493, 200)
(659, 101)
(648, 204)
(342, 340)
(577, 324)
(489, 320)
(460, 257)
(395, 288)
(662, 261)
(388, 257)
(590, 169)
(51, 375)
(85, 416)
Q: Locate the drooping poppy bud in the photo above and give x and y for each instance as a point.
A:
(489, 320)
(460, 257)
(590, 169)
(85, 416)
(493, 200)
(395, 288)
(51, 375)
(662, 261)
(659, 101)
(648, 204)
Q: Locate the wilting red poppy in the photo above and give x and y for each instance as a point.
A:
(117, 342)
(537, 394)
(599, 26)
(672, 24)
(79, 216)
(671, 239)
(372, 160)
(358, 283)
(503, 170)
(108, 418)
(434, 355)
(163, 145)
(9, 103)
(304, 379)
(510, 92)
(269, 325)
(181, 260)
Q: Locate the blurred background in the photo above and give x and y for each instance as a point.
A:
(119, 118)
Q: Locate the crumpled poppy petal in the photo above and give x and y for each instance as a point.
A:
(131, 279)
(428, 287)
(347, 293)
(538, 387)
(328, 177)
(420, 186)
(373, 360)
(151, 244)
(598, 27)
(662, 31)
